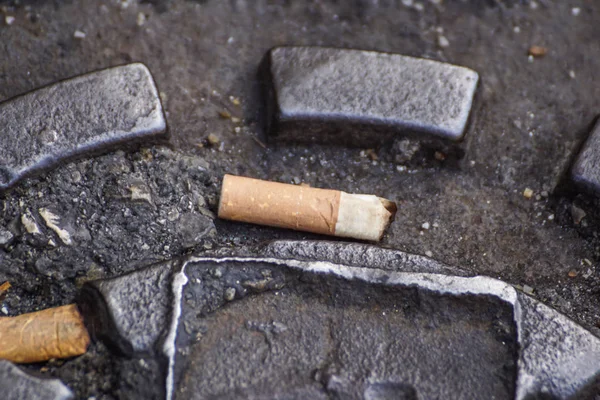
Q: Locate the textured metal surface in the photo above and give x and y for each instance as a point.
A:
(86, 114)
(130, 311)
(585, 171)
(316, 94)
(509, 342)
(18, 385)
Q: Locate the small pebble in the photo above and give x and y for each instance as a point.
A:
(572, 74)
(9, 19)
(141, 19)
(527, 289)
(429, 253)
(213, 139)
(79, 35)
(527, 193)
(425, 225)
(225, 114)
(537, 51)
(572, 273)
(372, 154)
(234, 100)
(229, 294)
(577, 214)
(443, 41)
(575, 11)
(516, 29)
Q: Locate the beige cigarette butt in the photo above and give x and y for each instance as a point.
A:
(324, 211)
(39, 336)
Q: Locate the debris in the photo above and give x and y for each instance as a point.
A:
(537, 51)
(372, 154)
(4, 289)
(577, 214)
(141, 19)
(428, 253)
(527, 193)
(439, 156)
(89, 114)
(425, 225)
(213, 139)
(230, 294)
(528, 289)
(572, 74)
(325, 95)
(52, 221)
(259, 142)
(9, 19)
(225, 114)
(329, 212)
(572, 273)
(443, 41)
(6, 237)
(234, 100)
(79, 35)
(575, 11)
(39, 336)
(29, 224)
(140, 191)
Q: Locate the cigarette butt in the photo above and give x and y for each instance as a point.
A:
(39, 336)
(4, 287)
(324, 211)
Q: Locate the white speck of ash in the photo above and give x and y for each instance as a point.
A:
(52, 221)
(79, 35)
(141, 19)
(29, 224)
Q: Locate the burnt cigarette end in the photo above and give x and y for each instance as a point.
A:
(323, 211)
(39, 336)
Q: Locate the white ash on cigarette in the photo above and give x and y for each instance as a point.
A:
(324, 211)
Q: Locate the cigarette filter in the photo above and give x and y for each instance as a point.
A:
(329, 212)
(39, 336)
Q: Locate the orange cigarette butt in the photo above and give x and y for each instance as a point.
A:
(39, 336)
(4, 289)
(324, 211)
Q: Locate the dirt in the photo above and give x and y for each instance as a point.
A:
(127, 209)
